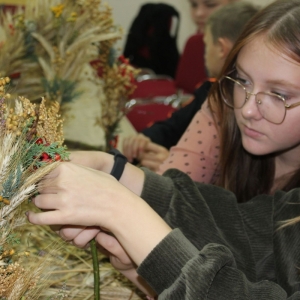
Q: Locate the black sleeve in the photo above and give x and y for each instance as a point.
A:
(168, 132)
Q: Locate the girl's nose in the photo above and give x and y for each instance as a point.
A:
(250, 109)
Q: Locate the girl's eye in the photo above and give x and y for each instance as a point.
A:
(284, 96)
(243, 81)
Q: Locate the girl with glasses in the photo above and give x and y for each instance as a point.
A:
(260, 139)
(184, 240)
(255, 101)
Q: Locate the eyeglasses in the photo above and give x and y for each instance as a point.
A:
(271, 106)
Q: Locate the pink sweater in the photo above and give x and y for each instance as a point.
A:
(197, 152)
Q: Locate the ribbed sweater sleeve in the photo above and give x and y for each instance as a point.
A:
(219, 249)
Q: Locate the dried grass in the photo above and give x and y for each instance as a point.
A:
(69, 269)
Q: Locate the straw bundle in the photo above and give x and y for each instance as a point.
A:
(31, 146)
(71, 274)
(61, 37)
(12, 48)
(54, 42)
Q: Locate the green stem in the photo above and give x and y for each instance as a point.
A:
(96, 270)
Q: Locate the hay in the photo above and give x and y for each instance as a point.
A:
(69, 272)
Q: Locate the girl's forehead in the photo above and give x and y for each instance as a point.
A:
(261, 48)
(263, 62)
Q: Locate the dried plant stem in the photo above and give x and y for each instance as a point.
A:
(96, 270)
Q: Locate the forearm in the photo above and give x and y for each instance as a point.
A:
(132, 177)
(128, 213)
(138, 228)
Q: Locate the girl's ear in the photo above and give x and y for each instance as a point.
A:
(225, 45)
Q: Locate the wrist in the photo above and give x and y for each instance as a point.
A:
(119, 164)
(96, 160)
(135, 215)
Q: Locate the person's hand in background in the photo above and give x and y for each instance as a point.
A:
(134, 146)
(153, 156)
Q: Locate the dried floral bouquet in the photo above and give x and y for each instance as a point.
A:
(53, 42)
(31, 145)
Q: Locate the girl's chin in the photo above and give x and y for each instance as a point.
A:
(255, 149)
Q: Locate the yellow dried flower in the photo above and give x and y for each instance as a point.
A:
(57, 10)
(73, 17)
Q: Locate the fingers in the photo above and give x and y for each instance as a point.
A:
(45, 218)
(152, 147)
(70, 232)
(111, 244)
(154, 156)
(133, 146)
(85, 236)
(45, 201)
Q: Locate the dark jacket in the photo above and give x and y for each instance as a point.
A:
(168, 132)
(221, 250)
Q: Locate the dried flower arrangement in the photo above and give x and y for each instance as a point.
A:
(12, 47)
(31, 143)
(60, 38)
(56, 40)
(119, 83)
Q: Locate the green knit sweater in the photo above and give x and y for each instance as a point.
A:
(219, 249)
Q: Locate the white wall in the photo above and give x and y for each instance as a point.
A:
(124, 12)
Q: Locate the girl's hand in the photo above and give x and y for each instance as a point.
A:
(108, 245)
(121, 261)
(102, 161)
(79, 236)
(97, 160)
(76, 195)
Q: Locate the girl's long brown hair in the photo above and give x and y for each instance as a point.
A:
(245, 174)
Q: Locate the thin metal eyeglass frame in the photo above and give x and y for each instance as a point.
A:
(287, 106)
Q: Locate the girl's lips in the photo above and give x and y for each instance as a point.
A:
(251, 132)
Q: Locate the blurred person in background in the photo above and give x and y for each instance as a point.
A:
(151, 147)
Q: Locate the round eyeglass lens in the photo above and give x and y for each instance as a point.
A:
(272, 107)
(232, 92)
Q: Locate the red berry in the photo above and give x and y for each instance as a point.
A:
(44, 156)
(39, 141)
(57, 157)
